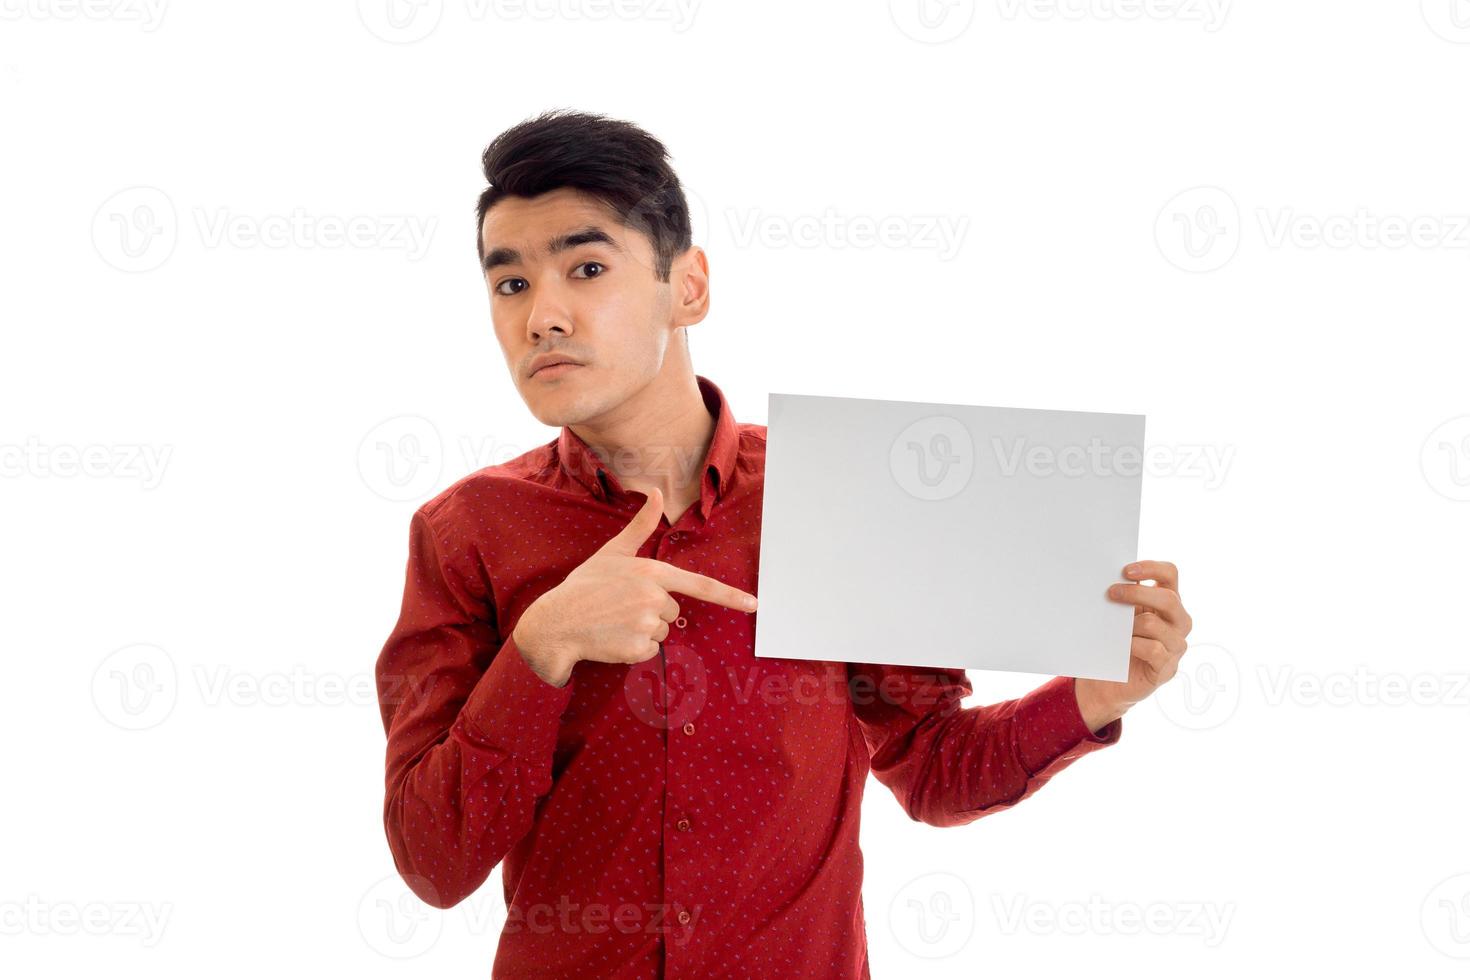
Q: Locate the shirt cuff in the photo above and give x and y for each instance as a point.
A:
(1050, 729)
(511, 709)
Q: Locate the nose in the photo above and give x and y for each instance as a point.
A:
(549, 314)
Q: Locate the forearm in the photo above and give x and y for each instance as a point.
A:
(547, 662)
(1095, 716)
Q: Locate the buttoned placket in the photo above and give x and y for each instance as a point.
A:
(680, 833)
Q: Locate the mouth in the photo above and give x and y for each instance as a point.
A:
(555, 370)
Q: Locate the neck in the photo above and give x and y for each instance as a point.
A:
(657, 438)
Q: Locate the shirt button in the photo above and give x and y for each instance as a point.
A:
(681, 622)
(683, 824)
(688, 728)
(684, 917)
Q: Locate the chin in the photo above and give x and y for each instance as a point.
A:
(553, 406)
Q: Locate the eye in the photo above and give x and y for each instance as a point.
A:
(597, 265)
(500, 286)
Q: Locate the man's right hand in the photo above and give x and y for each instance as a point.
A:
(614, 607)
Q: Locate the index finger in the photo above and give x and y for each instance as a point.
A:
(682, 580)
(1162, 572)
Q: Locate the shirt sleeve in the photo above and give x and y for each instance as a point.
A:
(949, 765)
(471, 728)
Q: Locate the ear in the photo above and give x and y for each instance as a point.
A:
(689, 286)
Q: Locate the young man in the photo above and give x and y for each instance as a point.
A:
(571, 686)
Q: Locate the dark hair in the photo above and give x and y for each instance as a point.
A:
(612, 160)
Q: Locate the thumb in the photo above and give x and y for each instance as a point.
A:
(631, 538)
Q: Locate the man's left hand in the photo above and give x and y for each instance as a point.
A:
(1160, 628)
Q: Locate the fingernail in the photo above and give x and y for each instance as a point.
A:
(750, 603)
(1131, 570)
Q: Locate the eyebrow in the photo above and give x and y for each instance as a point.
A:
(591, 235)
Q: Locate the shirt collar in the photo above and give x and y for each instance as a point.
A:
(583, 465)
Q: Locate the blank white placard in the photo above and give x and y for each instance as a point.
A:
(936, 535)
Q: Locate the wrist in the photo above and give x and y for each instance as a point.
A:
(545, 661)
(1095, 714)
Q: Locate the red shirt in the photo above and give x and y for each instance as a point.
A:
(692, 816)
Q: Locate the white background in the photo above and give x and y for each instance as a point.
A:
(1190, 209)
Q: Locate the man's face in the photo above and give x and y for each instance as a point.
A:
(565, 276)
